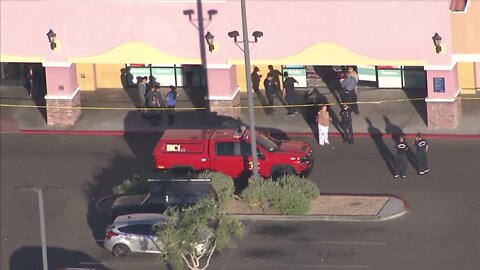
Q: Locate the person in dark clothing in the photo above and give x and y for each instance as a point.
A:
(154, 100)
(28, 76)
(256, 79)
(289, 93)
(269, 84)
(401, 158)
(346, 122)
(422, 147)
(171, 103)
(275, 74)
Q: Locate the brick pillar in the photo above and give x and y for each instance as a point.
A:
(444, 114)
(63, 95)
(444, 110)
(223, 92)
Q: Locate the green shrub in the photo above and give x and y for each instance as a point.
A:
(136, 185)
(290, 194)
(256, 192)
(223, 185)
(303, 185)
(289, 201)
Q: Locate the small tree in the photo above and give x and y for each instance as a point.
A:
(191, 235)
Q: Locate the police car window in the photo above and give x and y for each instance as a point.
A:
(225, 149)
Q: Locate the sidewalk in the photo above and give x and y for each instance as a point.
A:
(113, 110)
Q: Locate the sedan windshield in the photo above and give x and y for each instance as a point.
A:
(267, 142)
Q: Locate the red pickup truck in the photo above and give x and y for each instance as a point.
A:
(229, 151)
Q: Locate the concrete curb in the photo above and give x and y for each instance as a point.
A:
(394, 208)
(119, 133)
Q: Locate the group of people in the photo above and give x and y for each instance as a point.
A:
(272, 86)
(152, 102)
(421, 146)
(323, 120)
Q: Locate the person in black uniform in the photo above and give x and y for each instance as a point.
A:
(401, 158)
(346, 118)
(256, 79)
(270, 87)
(289, 93)
(422, 146)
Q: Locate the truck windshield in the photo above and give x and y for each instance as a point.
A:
(267, 142)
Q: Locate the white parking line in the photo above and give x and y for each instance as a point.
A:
(351, 243)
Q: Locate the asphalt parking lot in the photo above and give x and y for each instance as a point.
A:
(77, 170)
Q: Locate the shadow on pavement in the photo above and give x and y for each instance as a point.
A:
(395, 131)
(330, 77)
(30, 258)
(382, 148)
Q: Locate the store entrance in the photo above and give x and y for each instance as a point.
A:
(27, 82)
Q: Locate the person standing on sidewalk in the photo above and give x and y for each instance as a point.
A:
(28, 76)
(323, 121)
(171, 103)
(422, 147)
(346, 121)
(349, 85)
(289, 93)
(275, 74)
(401, 158)
(142, 93)
(154, 100)
(270, 87)
(256, 79)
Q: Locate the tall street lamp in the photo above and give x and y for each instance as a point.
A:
(246, 53)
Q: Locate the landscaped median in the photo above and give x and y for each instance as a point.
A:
(288, 197)
(333, 207)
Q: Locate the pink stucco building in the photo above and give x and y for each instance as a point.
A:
(95, 39)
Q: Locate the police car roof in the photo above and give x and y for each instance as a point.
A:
(187, 134)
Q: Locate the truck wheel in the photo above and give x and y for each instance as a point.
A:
(281, 172)
(120, 250)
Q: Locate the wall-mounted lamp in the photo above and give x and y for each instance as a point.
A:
(437, 40)
(209, 38)
(51, 38)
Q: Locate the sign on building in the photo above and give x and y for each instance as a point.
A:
(299, 73)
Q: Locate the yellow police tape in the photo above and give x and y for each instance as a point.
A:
(217, 107)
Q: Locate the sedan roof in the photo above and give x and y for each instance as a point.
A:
(182, 187)
(144, 218)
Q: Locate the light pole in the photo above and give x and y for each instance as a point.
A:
(246, 54)
(43, 235)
